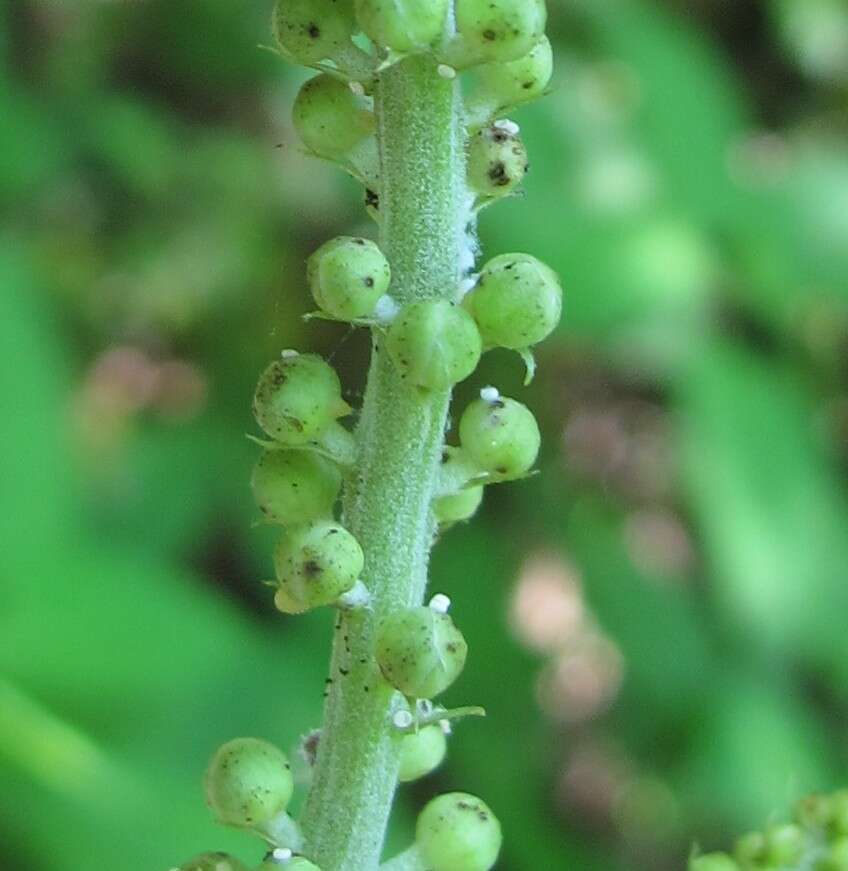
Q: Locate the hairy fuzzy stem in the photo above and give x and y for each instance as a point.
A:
(423, 207)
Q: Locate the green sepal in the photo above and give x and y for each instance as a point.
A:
(529, 359)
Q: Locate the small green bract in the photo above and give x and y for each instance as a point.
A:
(213, 862)
(313, 30)
(329, 118)
(403, 25)
(347, 276)
(517, 301)
(297, 398)
(712, 862)
(500, 30)
(420, 652)
(295, 486)
(434, 344)
(248, 782)
(497, 161)
(502, 436)
(316, 562)
(421, 752)
(512, 82)
(458, 832)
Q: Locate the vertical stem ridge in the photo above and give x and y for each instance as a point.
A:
(387, 502)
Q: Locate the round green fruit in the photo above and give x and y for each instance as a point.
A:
(434, 344)
(517, 301)
(497, 161)
(500, 30)
(458, 506)
(295, 486)
(458, 832)
(420, 652)
(248, 782)
(297, 398)
(512, 82)
(402, 25)
(316, 563)
(329, 118)
(501, 436)
(313, 30)
(421, 752)
(347, 276)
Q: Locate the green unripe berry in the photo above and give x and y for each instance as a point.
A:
(458, 506)
(403, 25)
(420, 652)
(502, 436)
(497, 161)
(712, 862)
(513, 82)
(313, 30)
(421, 752)
(750, 849)
(434, 344)
(517, 301)
(347, 276)
(784, 844)
(248, 782)
(213, 862)
(329, 118)
(297, 398)
(458, 832)
(317, 562)
(295, 486)
(500, 30)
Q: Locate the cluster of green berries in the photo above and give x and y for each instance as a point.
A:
(296, 481)
(514, 302)
(816, 840)
(503, 40)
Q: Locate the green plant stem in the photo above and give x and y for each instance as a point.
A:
(423, 208)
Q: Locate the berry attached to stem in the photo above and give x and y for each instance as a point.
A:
(421, 752)
(310, 31)
(420, 652)
(459, 506)
(329, 118)
(501, 436)
(402, 25)
(347, 276)
(458, 832)
(316, 563)
(517, 301)
(506, 84)
(500, 30)
(497, 161)
(434, 344)
(295, 486)
(297, 398)
(248, 782)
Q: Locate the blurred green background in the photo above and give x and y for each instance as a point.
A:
(657, 623)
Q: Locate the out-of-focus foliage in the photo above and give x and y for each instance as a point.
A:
(656, 623)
